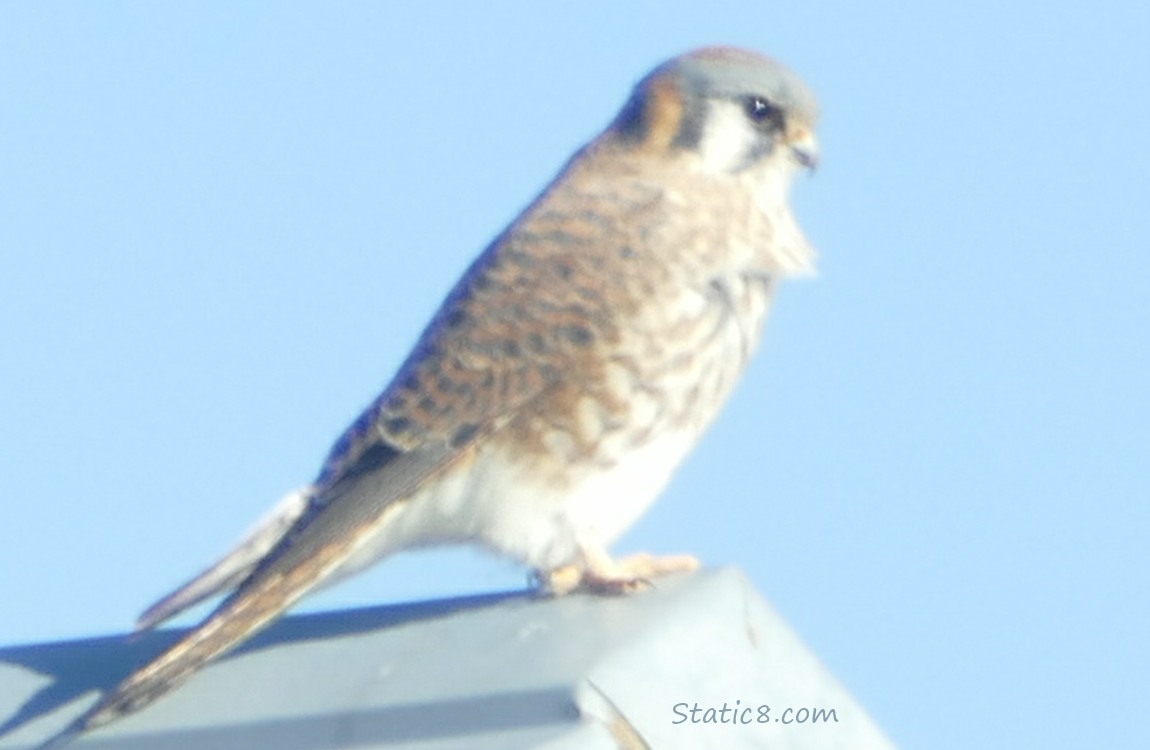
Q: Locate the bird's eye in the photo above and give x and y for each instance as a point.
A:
(761, 111)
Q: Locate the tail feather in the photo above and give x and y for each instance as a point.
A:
(235, 567)
(234, 621)
(238, 619)
(321, 537)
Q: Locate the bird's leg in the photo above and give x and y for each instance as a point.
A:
(598, 573)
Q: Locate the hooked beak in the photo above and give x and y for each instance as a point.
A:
(805, 150)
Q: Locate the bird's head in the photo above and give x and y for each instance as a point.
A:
(733, 110)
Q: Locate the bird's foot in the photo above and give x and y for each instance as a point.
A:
(602, 575)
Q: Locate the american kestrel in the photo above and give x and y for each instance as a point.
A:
(566, 375)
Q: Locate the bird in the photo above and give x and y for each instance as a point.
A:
(564, 378)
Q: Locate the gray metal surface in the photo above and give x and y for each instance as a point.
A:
(502, 671)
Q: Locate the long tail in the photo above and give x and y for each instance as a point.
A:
(258, 603)
(237, 619)
(325, 534)
(235, 567)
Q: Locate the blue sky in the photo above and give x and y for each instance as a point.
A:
(223, 224)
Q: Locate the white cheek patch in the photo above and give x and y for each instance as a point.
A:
(729, 142)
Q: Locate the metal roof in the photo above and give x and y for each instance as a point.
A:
(502, 671)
